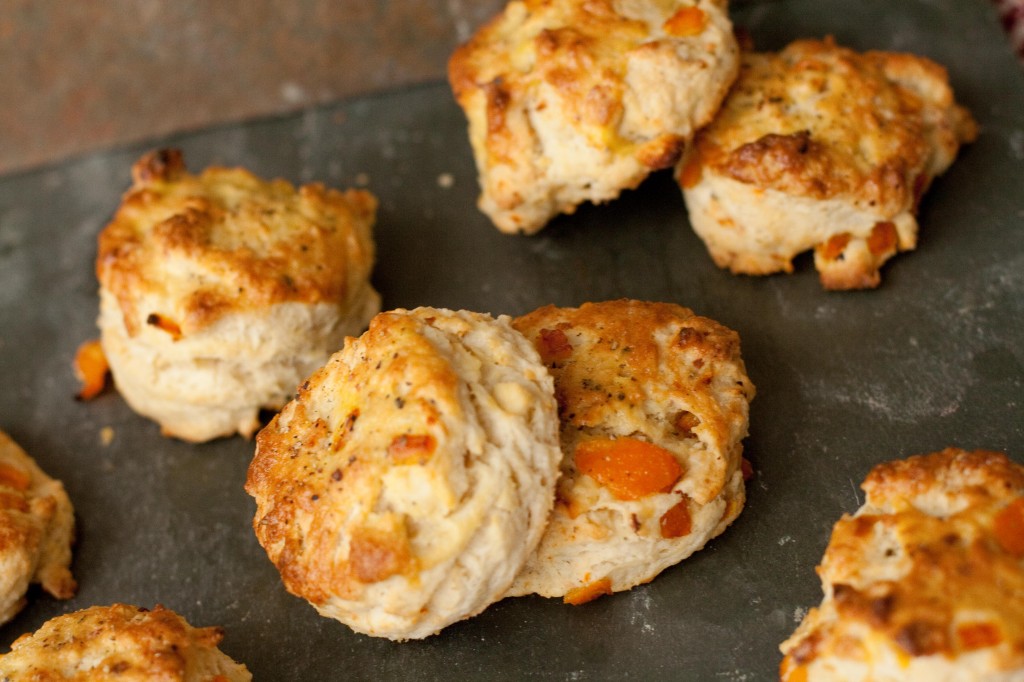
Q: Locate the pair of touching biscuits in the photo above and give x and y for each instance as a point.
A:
(815, 147)
(219, 292)
(445, 460)
(925, 581)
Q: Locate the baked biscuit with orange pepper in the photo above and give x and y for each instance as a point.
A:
(220, 292)
(822, 147)
(926, 580)
(37, 528)
(404, 487)
(571, 101)
(124, 643)
(653, 404)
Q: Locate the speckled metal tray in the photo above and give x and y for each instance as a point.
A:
(845, 380)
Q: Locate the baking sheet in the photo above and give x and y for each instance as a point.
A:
(845, 380)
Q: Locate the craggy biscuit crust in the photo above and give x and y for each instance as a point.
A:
(822, 147)
(653, 372)
(576, 100)
(926, 580)
(121, 642)
(219, 292)
(37, 528)
(199, 247)
(406, 484)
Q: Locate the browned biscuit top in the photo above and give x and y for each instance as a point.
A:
(822, 121)
(199, 247)
(932, 564)
(119, 642)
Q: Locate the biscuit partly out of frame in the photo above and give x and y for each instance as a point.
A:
(404, 487)
(220, 292)
(925, 581)
(37, 528)
(576, 100)
(821, 147)
(653, 403)
(121, 642)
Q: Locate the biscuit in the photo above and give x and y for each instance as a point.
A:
(926, 580)
(576, 100)
(404, 487)
(653, 403)
(821, 147)
(121, 642)
(220, 292)
(37, 528)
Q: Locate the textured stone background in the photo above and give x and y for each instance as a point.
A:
(80, 76)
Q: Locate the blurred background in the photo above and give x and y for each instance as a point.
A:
(81, 76)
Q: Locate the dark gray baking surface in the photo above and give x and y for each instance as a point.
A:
(933, 358)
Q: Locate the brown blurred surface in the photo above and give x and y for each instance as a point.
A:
(80, 76)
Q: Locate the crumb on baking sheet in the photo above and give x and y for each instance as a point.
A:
(445, 180)
(106, 435)
(362, 179)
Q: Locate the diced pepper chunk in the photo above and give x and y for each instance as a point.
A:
(676, 522)
(978, 636)
(790, 671)
(685, 23)
(15, 478)
(882, 238)
(407, 448)
(166, 324)
(691, 173)
(835, 246)
(553, 345)
(91, 369)
(588, 592)
(746, 468)
(1009, 527)
(629, 468)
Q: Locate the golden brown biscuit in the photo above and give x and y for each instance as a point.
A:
(404, 487)
(926, 580)
(124, 643)
(37, 528)
(220, 292)
(822, 147)
(653, 404)
(576, 100)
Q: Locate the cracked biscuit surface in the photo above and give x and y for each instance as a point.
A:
(37, 529)
(404, 487)
(576, 100)
(925, 581)
(121, 642)
(820, 147)
(219, 292)
(653, 403)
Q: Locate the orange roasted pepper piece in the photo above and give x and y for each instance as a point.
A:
(792, 672)
(1009, 527)
(691, 173)
(91, 369)
(588, 592)
(409, 448)
(14, 478)
(628, 467)
(882, 238)
(676, 522)
(687, 22)
(834, 247)
(978, 636)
